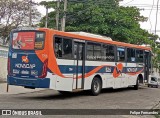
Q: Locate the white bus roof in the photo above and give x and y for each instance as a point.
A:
(92, 35)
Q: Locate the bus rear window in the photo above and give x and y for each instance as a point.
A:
(28, 40)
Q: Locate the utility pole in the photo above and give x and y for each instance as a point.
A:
(46, 23)
(57, 14)
(30, 13)
(64, 16)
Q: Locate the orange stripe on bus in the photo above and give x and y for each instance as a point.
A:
(93, 71)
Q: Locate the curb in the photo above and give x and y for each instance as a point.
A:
(16, 89)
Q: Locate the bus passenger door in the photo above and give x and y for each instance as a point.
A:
(146, 66)
(79, 63)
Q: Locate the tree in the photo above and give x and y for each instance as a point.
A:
(14, 13)
(105, 17)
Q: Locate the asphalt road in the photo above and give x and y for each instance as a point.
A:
(144, 98)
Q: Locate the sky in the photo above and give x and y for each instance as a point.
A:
(148, 9)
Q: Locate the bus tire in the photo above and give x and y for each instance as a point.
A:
(136, 87)
(96, 86)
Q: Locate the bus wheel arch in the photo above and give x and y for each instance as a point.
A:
(140, 78)
(96, 85)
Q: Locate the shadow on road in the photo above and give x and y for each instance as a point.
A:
(47, 95)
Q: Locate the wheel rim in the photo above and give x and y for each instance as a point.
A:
(96, 86)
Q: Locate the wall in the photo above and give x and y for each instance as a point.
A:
(3, 63)
(3, 69)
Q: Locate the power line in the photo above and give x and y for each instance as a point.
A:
(141, 5)
(128, 2)
(156, 16)
(150, 16)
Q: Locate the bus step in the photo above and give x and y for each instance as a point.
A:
(77, 90)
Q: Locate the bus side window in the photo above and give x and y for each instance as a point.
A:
(139, 55)
(90, 51)
(97, 52)
(108, 53)
(93, 51)
(58, 47)
(67, 48)
(131, 55)
(63, 48)
(121, 54)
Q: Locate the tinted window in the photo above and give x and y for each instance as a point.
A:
(97, 52)
(131, 55)
(139, 55)
(93, 51)
(90, 51)
(108, 53)
(121, 54)
(63, 48)
(58, 47)
(67, 48)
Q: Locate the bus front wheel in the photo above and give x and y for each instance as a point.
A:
(136, 87)
(96, 86)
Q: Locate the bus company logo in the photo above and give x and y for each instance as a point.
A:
(132, 70)
(25, 59)
(118, 70)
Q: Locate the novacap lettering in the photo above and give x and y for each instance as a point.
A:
(132, 69)
(25, 66)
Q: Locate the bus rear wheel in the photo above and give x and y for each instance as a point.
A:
(96, 86)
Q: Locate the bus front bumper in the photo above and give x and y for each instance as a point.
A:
(29, 82)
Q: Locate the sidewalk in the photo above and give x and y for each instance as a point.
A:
(15, 89)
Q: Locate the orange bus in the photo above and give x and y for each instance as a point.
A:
(66, 61)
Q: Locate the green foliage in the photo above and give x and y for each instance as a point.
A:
(107, 18)
(103, 17)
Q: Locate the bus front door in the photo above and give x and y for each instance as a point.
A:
(146, 66)
(79, 62)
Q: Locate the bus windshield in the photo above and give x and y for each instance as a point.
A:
(28, 40)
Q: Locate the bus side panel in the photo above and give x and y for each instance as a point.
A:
(131, 78)
(133, 67)
(52, 80)
(105, 72)
(67, 69)
(64, 84)
(141, 67)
